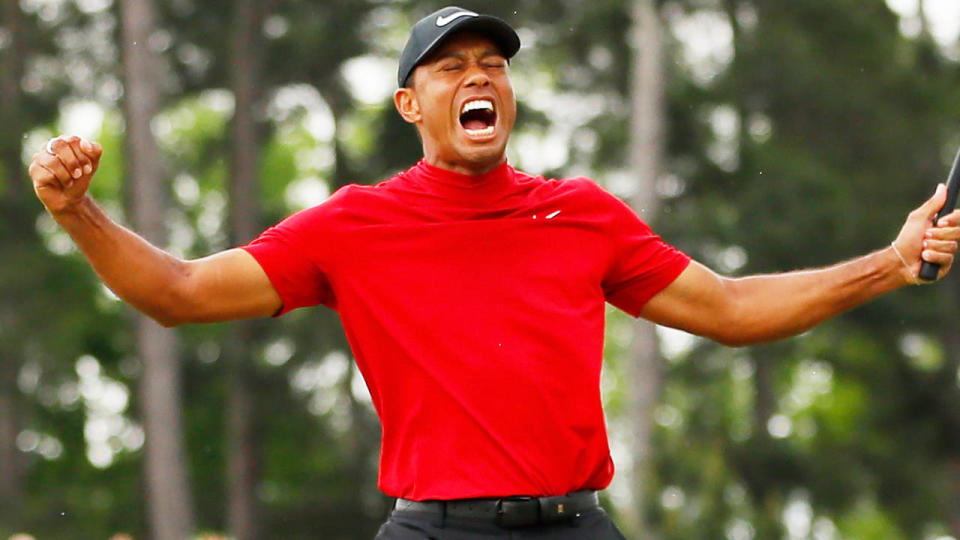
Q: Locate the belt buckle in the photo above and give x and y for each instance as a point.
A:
(513, 512)
(557, 509)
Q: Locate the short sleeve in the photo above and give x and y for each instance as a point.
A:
(287, 254)
(642, 264)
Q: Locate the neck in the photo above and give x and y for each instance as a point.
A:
(462, 167)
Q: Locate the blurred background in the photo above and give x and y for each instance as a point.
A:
(757, 135)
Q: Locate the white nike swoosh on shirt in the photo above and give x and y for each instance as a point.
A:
(443, 21)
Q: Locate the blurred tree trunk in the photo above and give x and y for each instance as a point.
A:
(646, 156)
(951, 347)
(924, 23)
(242, 437)
(763, 357)
(11, 70)
(12, 56)
(11, 473)
(167, 486)
(764, 400)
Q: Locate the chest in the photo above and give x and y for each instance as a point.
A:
(536, 258)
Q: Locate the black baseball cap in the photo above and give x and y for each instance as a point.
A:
(430, 31)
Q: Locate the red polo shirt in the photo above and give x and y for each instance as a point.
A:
(474, 306)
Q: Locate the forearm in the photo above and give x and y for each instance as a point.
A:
(769, 307)
(224, 286)
(143, 275)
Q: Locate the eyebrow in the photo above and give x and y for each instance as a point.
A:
(460, 56)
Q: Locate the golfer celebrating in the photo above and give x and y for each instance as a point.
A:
(473, 295)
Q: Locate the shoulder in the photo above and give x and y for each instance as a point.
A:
(354, 196)
(358, 195)
(576, 185)
(329, 208)
(582, 192)
(342, 206)
(588, 188)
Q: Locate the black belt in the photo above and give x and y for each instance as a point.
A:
(509, 512)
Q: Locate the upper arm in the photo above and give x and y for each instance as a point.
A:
(226, 286)
(698, 301)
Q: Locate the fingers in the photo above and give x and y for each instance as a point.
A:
(940, 240)
(83, 160)
(93, 150)
(942, 233)
(939, 251)
(944, 259)
(42, 177)
(953, 218)
(945, 229)
(52, 165)
(930, 247)
(67, 150)
(67, 159)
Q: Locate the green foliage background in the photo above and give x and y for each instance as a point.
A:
(808, 145)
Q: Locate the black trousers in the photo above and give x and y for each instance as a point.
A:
(592, 525)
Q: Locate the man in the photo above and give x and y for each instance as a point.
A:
(473, 295)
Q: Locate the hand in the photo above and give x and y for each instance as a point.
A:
(922, 240)
(62, 170)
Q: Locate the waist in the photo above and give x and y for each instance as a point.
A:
(508, 512)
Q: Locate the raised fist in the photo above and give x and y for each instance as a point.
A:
(62, 170)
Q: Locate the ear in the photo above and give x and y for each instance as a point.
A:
(405, 99)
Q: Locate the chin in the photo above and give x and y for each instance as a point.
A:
(487, 156)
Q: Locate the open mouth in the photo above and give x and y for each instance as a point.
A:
(478, 117)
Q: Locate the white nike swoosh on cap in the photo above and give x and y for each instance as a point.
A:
(443, 21)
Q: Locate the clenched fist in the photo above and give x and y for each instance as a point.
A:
(62, 170)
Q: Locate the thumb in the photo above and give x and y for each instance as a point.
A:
(935, 203)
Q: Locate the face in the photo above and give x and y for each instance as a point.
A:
(462, 103)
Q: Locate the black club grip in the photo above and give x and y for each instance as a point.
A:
(929, 271)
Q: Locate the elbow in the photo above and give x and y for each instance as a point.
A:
(743, 332)
(167, 315)
(163, 309)
(734, 340)
(732, 324)
(182, 308)
(177, 305)
(170, 299)
(167, 321)
(729, 334)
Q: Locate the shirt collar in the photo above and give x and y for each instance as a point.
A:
(447, 184)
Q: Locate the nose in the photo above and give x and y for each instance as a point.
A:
(476, 76)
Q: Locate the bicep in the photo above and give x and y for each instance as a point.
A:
(698, 301)
(229, 285)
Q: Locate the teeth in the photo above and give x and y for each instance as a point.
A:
(480, 132)
(476, 105)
